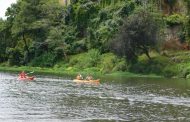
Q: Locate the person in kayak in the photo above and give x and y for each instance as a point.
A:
(22, 75)
(79, 77)
(89, 77)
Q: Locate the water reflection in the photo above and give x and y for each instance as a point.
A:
(57, 99)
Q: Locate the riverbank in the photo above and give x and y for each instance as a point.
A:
(65, 73)
(169, 64)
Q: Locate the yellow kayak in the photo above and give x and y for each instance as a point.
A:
(86, 81)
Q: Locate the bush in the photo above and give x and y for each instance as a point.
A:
(45, 60)
(77, 60)
(107, 62)
(110, 62)
(85, 60)
(132, 39)
(121, 65)
(14, 56)
(93, 57)
(145, 66)
(92, 70)
(183, 70)
(94, 62)
(170, 71)
(174, 19)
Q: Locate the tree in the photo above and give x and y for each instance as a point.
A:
(23, 22)
(137, 35)
(3, 37)
(188, 21)
(31, 22)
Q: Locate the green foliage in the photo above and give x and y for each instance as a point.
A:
(92, 70)
(40, 26)
(185, 70)
(187, 23)
(83, 12)
(94, 57)
(14, 56)
(181, 70)
(102, 28)
(170, 71)
(176, 64)
(110, 62)
(90, 59)
(42, 33)
(45, 60)
(138, 35)
(2, 41)
(174, 19)
(153, 66)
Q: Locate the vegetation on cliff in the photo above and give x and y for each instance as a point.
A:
(96, 36)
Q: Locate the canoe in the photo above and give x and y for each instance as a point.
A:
(26, 79)
(86, 81)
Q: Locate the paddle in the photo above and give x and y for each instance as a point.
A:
(30, 73)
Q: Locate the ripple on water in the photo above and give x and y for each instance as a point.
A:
(57, 99)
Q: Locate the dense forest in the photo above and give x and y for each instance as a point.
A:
(138, 36)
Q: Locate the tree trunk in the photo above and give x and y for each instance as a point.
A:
(147, 54)
(145, 50)
(26, 48)
(25, 44)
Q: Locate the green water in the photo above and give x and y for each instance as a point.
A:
(114, 99)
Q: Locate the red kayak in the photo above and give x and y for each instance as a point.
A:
(26, 78)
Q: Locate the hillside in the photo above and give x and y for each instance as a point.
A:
(96, 35)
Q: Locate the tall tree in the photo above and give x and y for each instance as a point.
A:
(137, 35)
(188, 19)
(3, 38)
(23, 22)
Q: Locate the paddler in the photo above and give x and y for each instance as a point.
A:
(22, 74)
(89, 77)
(79, 77)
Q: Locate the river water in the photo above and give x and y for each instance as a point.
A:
(115, 99)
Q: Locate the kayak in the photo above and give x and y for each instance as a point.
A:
(27, 78)
(87, 81)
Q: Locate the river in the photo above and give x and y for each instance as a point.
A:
(128, 99)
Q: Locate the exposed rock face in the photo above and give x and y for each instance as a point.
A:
(172, 32)
(172, 40)
(173, 6)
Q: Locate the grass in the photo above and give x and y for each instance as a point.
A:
(63, 73)
(129, 74)
(174, 64)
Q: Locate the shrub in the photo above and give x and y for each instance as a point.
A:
(14, 56)
(183, 70)
(145, 66)
(92, 70)
(45, 60)
(77, 60)
(132, 40)
(121, 65)
(170, 71)
(93, 57)
(94, 62)
(86, 60)
(174, 19)
(110, 62)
